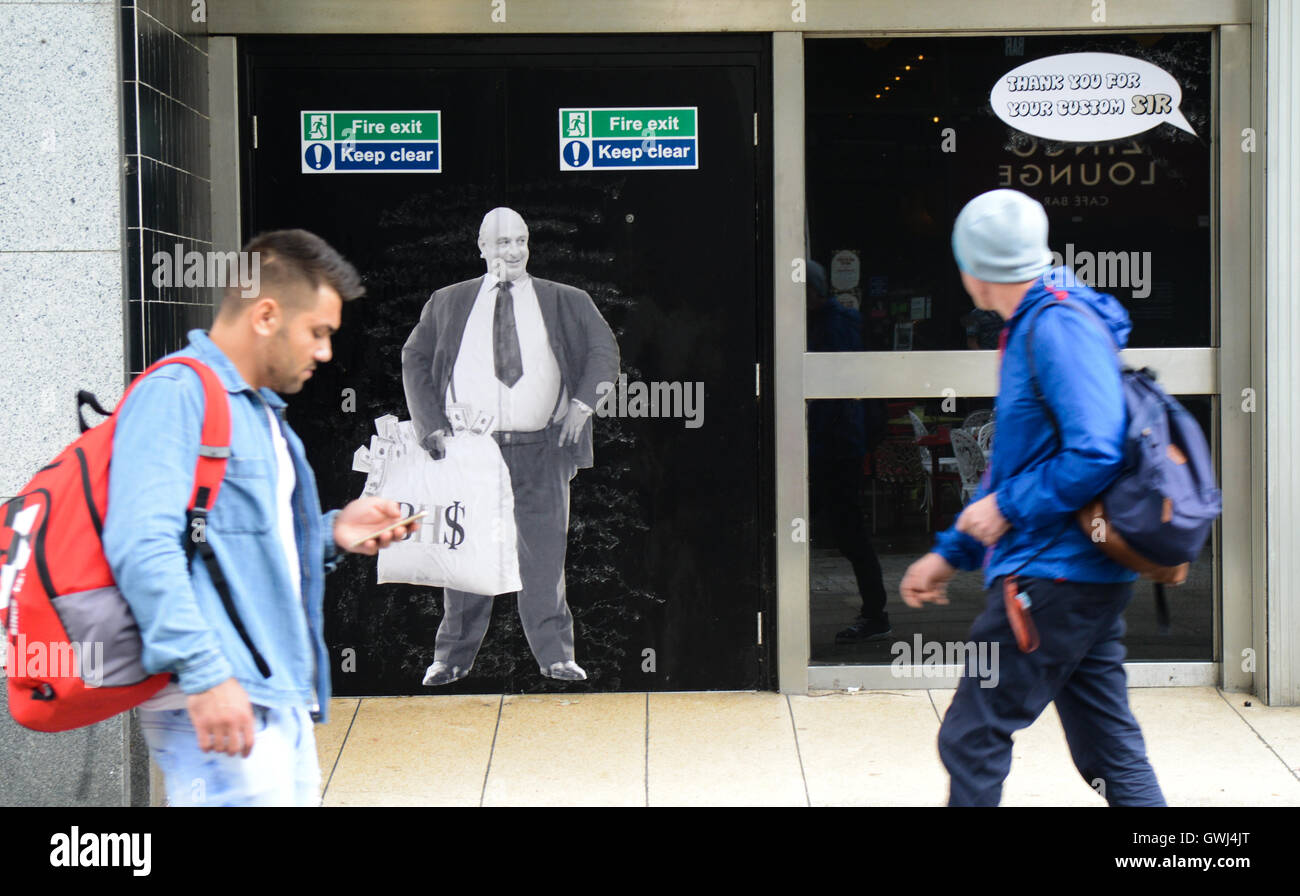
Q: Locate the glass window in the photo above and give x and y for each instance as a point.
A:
(900, 135)
(883, 477)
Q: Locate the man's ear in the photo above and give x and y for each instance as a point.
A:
(266, 316)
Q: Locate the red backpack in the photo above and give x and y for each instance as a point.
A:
(74, 649)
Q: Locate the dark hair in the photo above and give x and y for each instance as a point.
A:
(287, 258)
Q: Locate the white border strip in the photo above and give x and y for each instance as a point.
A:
(911, 678)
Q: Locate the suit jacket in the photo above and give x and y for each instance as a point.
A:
(581, 341)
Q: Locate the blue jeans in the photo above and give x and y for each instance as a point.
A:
(282, 770)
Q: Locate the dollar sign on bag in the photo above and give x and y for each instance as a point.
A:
(456, 533)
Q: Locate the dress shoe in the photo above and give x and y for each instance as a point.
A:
(566, 671)
(440, 673)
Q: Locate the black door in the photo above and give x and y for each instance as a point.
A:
(670, 538)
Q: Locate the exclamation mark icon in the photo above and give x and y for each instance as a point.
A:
(316, 149)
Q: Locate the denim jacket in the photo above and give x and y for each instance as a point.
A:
(183, 625)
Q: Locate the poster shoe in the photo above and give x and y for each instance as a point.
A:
(440, 673)
(565, 671)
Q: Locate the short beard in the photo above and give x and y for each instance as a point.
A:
(281, 377)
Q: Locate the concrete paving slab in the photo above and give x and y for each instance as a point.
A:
(1205, 753)
(1278, 726)
(569, 750)
(874, 748)
(723, 749)
(330, 736)
(416, 751)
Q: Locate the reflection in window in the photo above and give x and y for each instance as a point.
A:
(900, 135)
(883, 476)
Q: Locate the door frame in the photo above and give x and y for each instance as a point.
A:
(1220, 371)
(234, 139)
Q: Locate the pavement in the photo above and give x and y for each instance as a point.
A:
(866, 748)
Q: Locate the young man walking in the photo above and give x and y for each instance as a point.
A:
(1054, 600)
(230, 730)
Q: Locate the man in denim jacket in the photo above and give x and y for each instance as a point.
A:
(223, 732)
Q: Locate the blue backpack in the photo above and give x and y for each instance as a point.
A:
(1156, 516)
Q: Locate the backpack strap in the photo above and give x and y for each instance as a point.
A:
(1042, 399)
(214, 440)
(209, 470)
(1029, 351)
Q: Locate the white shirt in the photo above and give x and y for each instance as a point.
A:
(285, 481)
(528, 405)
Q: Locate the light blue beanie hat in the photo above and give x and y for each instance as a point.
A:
(1001, 236)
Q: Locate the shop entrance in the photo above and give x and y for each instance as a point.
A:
(665, 226)
(900, 135)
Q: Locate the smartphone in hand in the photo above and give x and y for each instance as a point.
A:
(410, 519)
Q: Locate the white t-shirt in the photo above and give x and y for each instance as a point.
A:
(285, 481)
(171, 696)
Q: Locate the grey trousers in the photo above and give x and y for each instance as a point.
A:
(539, 475)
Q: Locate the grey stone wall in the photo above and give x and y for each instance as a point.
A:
(61, 242)
(104, 162)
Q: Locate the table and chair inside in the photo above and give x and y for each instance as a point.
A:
(929, 454)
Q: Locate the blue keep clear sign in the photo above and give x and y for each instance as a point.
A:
(388, 142)
(637, 137)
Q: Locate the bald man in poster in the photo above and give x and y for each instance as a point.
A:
(531, 352)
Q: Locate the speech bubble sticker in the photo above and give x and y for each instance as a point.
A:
(1088, 97)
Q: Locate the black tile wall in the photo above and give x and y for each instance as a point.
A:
(168, 61)
(135, 335)
(168, 191)
(175, 201)
(131, 194)
(164, 278)
(166, 324)
(127, 32)
(179, 17)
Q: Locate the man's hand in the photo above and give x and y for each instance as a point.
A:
(365, 516)
(571, 426)
(926, 581)
(983, 521)
(436, 444)
(223, 719)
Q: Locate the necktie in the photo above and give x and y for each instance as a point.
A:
(505, 338)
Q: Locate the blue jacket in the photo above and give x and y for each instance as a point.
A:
(184, 628)
(1040, 484)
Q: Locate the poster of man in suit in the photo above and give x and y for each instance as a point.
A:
(527, 354)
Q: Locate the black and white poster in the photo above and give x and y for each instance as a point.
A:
(561, 369)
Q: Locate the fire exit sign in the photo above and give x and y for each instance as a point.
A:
(638, 137)
(387, 142)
